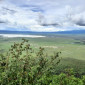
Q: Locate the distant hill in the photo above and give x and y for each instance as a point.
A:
(31, 32)
(72, 32)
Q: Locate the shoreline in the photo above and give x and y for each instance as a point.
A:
(21, 35)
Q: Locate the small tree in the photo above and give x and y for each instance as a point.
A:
(22, 66)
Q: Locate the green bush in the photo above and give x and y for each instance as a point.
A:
(23, 66)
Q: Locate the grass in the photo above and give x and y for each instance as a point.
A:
(73, 54)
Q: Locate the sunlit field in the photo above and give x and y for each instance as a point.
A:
(72, 48)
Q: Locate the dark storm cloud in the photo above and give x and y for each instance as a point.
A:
(52, 24)
(2, 22)
(81, 22)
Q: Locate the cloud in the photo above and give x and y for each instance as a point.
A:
(42, 15)
(2, 22)
(9, 10)
(79, 19)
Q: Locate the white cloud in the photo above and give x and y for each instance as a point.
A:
(56, 15)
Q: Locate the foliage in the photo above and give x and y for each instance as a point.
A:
(23, 66)
(20, 67)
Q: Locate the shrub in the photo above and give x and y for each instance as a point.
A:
(21, 67)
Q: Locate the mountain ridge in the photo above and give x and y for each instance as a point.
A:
(26, 32)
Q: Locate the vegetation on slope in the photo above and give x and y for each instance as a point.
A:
(23, 66)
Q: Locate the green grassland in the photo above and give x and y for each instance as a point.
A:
(71, 46)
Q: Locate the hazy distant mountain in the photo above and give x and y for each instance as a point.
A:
(31, 32)
(72, 32)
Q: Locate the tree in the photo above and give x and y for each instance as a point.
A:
(22, 66)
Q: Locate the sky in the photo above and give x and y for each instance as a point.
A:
(42, 15)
